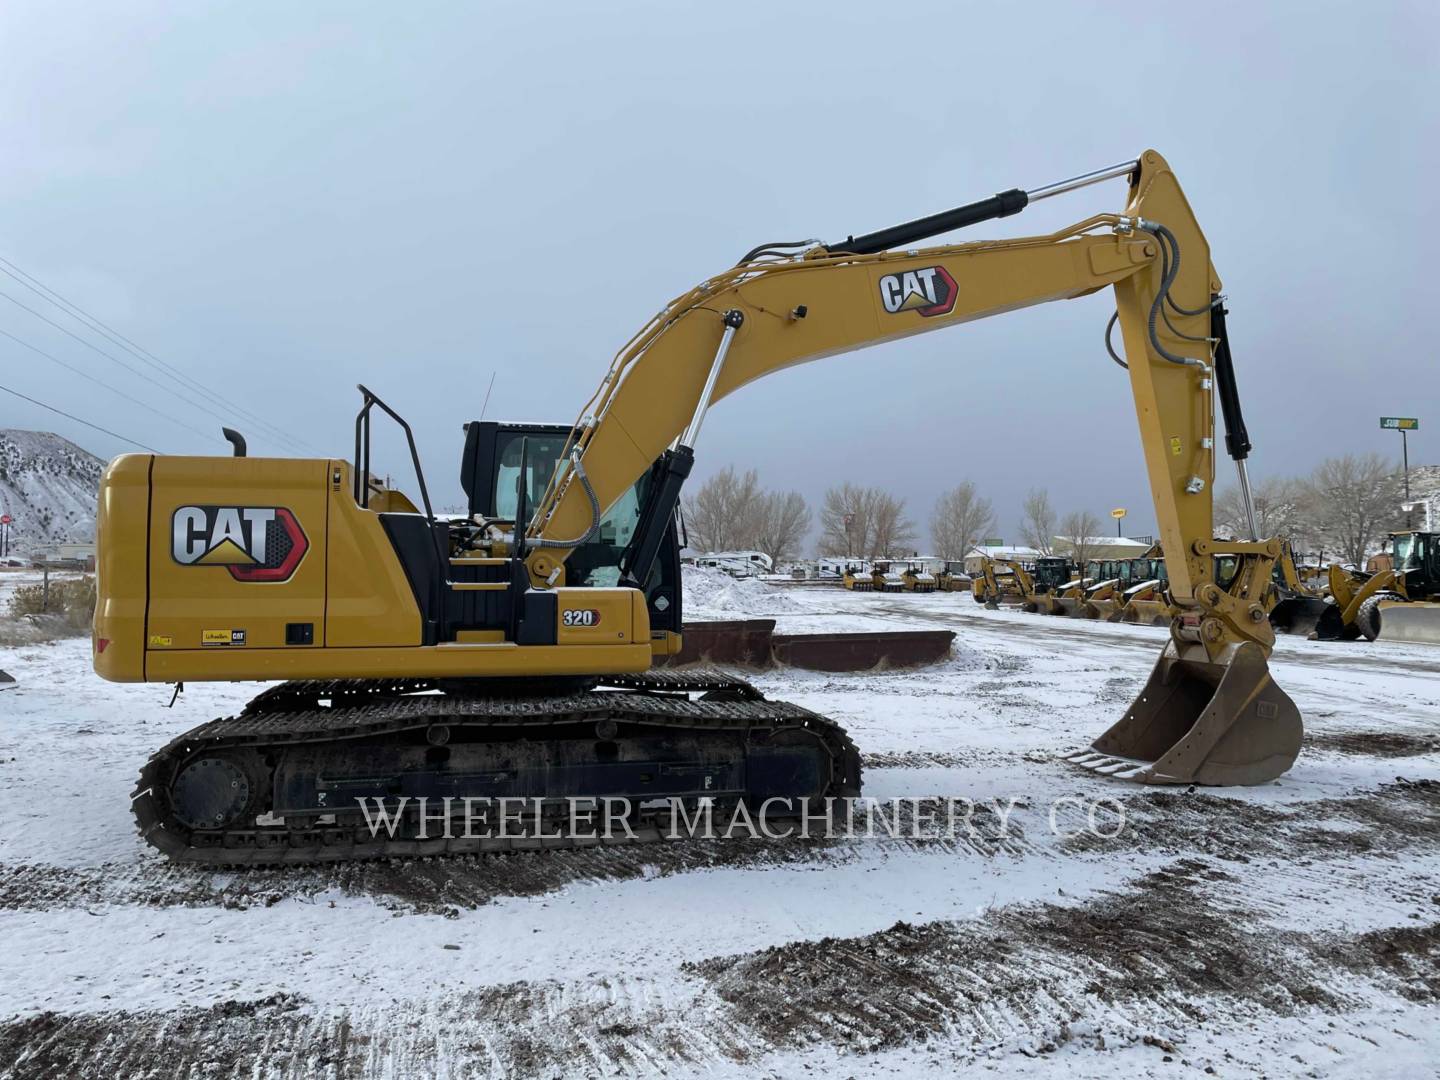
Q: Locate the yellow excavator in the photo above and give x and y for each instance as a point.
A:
(990, 586)
(508, 653)
(1034, 591)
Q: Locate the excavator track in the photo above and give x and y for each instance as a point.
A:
(383, 718)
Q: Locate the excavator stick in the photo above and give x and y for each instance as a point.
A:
(1202, 721)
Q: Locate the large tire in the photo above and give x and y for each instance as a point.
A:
(1367, 619)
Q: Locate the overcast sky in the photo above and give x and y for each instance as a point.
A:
(282, 200)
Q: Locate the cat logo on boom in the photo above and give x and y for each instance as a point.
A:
(930, 291)
(254, 543)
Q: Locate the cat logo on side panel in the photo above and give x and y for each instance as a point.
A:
(254, 543)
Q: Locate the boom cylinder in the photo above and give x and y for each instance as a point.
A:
(997, 206)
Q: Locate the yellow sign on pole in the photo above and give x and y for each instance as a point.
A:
(1118, 512)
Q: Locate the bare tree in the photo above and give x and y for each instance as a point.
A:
(1280, 507)
(863, 522)
(1352, 502)
(960, 521)
(1037, 525)
(782, 521)
(891, 531)
(1079, 529)
(722, 516)
(845, 520)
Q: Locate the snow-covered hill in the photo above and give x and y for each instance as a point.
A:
(48, 487)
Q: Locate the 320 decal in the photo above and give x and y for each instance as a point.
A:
(254, 543)
(929, 291)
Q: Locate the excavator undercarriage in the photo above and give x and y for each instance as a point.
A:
(305, 770)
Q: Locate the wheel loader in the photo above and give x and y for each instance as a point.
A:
(1136, 579)
(1097, 578)
(1298, 606)
(507, 654)
(1398, 604)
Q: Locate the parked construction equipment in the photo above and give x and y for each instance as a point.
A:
(507, 653)
(1299, 606)
(1000, 580)
(1398, 604)
(886, 578)
(917, 579)
(953, 578)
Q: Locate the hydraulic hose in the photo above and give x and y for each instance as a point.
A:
(1168, 274)
(1109, 347)
(543, 542)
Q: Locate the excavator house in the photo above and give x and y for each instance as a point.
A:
(510, 653)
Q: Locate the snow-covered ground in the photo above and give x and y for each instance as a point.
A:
(1291, 929)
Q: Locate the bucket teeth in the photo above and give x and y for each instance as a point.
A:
(1108, 765)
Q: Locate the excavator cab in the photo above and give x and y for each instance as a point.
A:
(490, 474)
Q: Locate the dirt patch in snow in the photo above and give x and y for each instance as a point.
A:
(1162, 955)
(1401, 815)
(1381, 744)
(447, 885)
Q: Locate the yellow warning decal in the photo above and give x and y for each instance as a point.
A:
(160, 641)
(1175, 446)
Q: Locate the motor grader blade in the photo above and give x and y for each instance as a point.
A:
(1417, 621)
(1200, 721)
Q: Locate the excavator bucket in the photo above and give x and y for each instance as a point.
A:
(1198, 721)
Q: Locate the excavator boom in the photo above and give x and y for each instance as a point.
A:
(1211, 712)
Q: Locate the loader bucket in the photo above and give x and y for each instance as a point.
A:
(1331, 626)
(1418, 622)
(1198, 721)
(1298, 614)
(1107, 609)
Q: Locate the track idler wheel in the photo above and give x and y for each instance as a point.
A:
(1198, 721)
